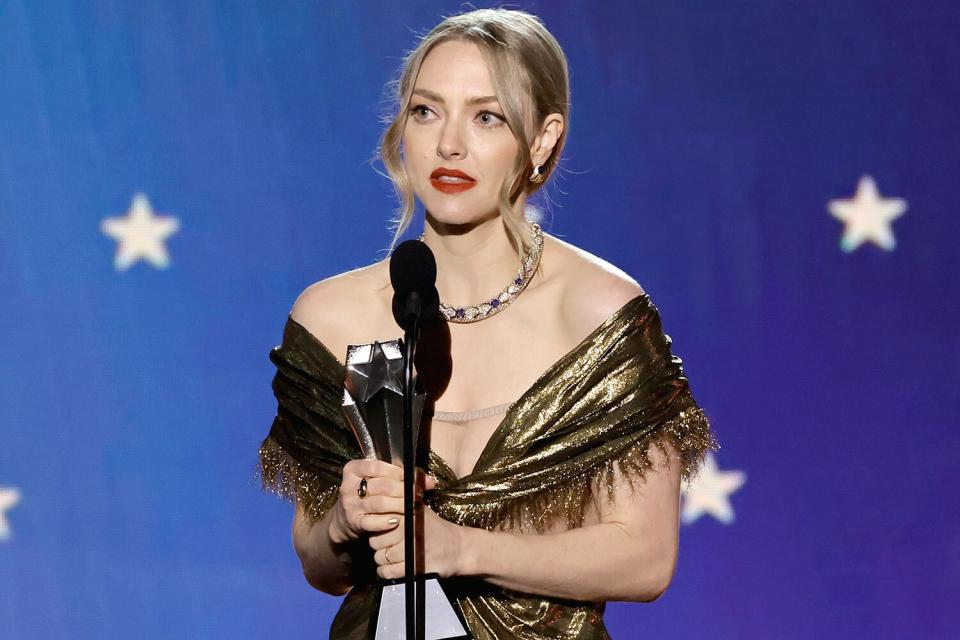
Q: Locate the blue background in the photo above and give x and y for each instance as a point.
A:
(706, 139)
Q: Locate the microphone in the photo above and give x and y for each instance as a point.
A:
(413, 274)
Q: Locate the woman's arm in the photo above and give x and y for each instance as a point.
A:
(630, 555)
(327, 565)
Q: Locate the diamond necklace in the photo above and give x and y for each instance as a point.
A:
(493, 306)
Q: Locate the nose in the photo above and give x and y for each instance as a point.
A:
(450, 144)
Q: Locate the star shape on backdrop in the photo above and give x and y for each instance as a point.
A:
(380, 372)
(709, 492)
(867, 216)
(9, 497)
(140, 234)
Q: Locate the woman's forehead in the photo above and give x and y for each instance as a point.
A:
(455, 68)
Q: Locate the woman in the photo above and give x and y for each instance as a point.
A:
(562, 491)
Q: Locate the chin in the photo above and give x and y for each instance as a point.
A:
(459, 216)
(456, 210)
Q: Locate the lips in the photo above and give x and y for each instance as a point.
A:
(456, 173)
(463, 183)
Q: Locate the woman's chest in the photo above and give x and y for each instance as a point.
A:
(472, 397)
(460, 443)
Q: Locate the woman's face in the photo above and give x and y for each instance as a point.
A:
(455, 123)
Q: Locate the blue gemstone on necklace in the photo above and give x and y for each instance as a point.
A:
(461, 312)
(495, 302)
(518, 281)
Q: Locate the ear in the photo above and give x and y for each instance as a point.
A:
(546, 140)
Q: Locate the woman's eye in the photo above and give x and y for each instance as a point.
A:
(416, 110)
(491, 123)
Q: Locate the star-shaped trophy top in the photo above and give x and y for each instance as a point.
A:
(378, 373)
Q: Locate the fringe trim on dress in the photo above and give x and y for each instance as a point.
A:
(280, 474)
(688, 432)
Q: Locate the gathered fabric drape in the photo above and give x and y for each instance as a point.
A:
(599, 407)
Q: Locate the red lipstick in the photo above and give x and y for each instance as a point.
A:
(451, 187)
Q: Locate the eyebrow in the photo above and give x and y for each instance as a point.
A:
(430, 95)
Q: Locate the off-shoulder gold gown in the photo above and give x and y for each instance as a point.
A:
(602, 404)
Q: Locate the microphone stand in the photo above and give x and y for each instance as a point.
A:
(414, 622)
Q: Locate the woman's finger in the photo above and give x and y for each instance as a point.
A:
(364, 468)
(378, 523)
(389, 538)
(379, 504)
(392, 571)
(386, 472)
(385, 487)
(389, 556)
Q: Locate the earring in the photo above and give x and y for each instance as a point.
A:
(537, 175)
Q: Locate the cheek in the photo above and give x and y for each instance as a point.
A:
(501, 157)
(416, 144)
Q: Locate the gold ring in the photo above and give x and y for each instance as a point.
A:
(362, 489)
(386, 554)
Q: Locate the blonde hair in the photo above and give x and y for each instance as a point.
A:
(526, 65)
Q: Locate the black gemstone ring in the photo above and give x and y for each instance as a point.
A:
(362, 489)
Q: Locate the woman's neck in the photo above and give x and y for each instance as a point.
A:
(473, 261)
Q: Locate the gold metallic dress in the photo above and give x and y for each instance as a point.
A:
(600, 405)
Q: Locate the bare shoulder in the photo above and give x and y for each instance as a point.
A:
(330, 307)
(593, 289)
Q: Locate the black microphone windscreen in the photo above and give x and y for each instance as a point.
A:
(412, 267)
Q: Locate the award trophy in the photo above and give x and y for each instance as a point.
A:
(373, 406)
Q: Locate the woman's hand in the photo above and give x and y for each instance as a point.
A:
(442, 545)
(382, 508)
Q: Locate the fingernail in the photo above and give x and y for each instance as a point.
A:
(393, 520)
